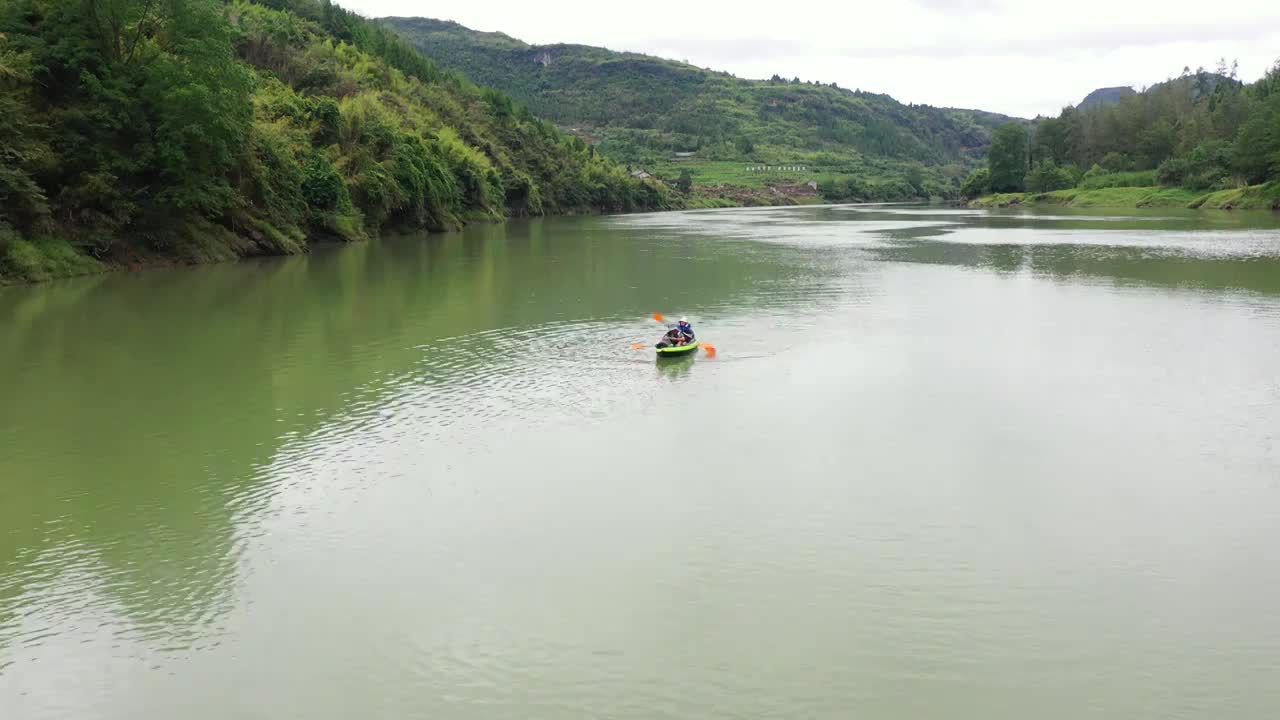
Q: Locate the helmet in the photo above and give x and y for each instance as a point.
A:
(684, 321)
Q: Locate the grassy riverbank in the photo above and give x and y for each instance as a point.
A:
(42, 259)
(1253, 197)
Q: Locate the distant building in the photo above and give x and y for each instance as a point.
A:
(686, 154)
(640, 174)
(813, 184)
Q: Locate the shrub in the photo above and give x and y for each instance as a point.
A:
(1097, 179)
(1046, 177)
(978, 183)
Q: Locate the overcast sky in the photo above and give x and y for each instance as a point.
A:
(1011, 56)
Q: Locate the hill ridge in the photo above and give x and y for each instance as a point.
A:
(642, 109)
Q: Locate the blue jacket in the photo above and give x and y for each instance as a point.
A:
(687, 330)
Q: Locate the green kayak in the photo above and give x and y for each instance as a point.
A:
(677, 350)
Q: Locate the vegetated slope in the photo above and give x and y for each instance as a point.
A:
(202, 130)
(643, 109)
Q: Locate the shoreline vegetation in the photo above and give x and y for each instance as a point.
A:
(139, 133)
(1250, 197)
(1203, 140)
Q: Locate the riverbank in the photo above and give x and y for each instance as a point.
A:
(45, 256)
(41, 259)
(25, 261)
(1253, 197)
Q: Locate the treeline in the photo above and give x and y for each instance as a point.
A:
(912, 185)
(1200, 131)
(200, 129)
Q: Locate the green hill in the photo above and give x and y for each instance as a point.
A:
(138, 131)
(643, 110)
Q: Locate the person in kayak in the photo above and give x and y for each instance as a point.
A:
(673, 338)
(685, 330)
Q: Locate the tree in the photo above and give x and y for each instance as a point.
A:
(1046, 177)
(1208, 165)
(1257, 146)
(685, 183)
(21, 198)
(1157, 143)
(915, 178)
(1007, 159)
(978, 183)
(1116, 162)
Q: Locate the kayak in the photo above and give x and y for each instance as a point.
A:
(677, 350)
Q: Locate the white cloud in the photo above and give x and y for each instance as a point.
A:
(1003, 55)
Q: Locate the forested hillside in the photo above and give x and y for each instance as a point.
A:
(200, 130)
(1204, 133)
(642, 110)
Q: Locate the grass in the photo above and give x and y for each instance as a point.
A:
(348, 228)
(1169, 197)
(702, 202)
(868, 179)
(197, 241)
(1123, 197)
(1253, 197)
(1138, 178)
(998, 200)
(42, 259)
(726, 172)
(274, 240)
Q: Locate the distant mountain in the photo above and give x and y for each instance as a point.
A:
(1201, 83)
(1105, 96)
(639, 108)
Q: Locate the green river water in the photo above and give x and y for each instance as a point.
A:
(947, 463)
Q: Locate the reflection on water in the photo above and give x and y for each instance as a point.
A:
(1157, 247)
(677, 368)
(943, 458)
(1257, 273)
(145, 406)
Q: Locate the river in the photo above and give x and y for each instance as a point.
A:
(946, 463)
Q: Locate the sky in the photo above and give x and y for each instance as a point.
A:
(1011, 56)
